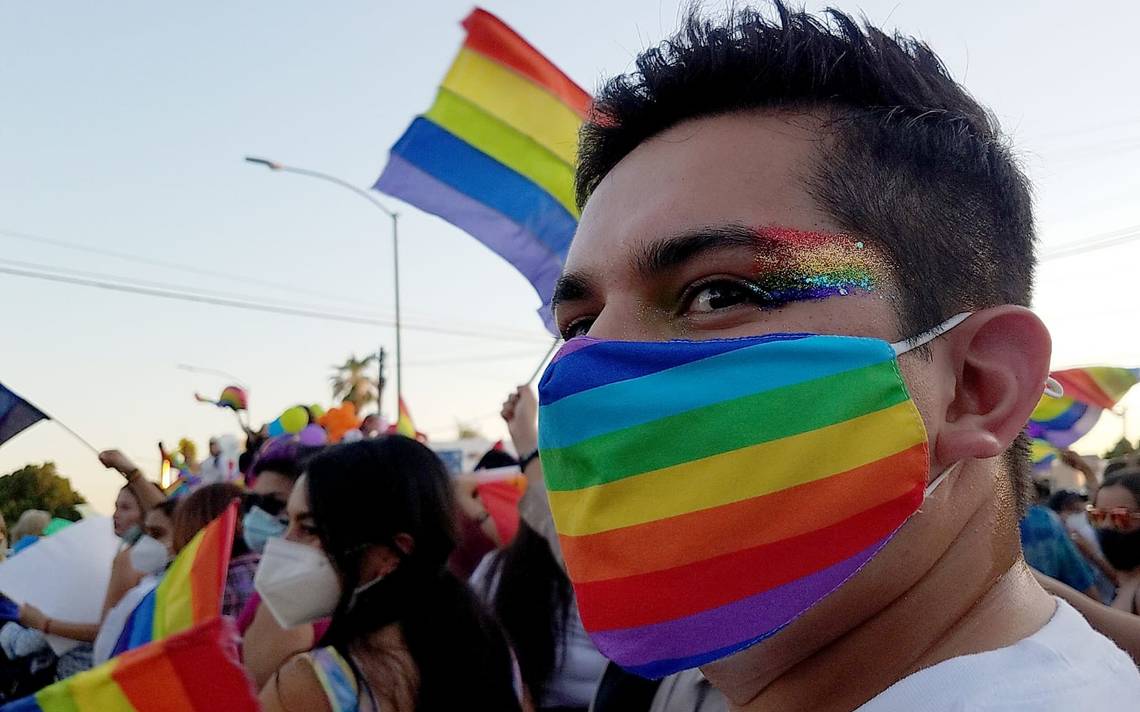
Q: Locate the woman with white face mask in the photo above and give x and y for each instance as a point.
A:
(371, 528)
(136, 498)
(150, 556)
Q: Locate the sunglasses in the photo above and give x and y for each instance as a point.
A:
(267, 503)
(1117, 518)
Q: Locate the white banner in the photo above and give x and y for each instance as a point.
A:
(65, 575)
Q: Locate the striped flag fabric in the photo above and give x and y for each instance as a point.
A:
(198, 670)
(643, 488)
(1061, 422)
(191, 590)
(16, 414)
(495, 153)
(404, 424)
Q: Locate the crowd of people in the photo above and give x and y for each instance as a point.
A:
(350, 578)
(779, 464)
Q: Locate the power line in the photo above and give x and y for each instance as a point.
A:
(21, 264)
(341, 300)
(242, 278)
(1096, 242)
(486, 358)
(252, 306)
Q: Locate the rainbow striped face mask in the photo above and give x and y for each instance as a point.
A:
(708, 493)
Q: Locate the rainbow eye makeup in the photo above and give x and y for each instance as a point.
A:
(799, 265)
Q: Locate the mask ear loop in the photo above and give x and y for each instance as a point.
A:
(1053, 388)
(902, 347)
(940, 479)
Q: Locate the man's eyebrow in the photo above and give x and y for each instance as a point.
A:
(674, 251)
(571, 287)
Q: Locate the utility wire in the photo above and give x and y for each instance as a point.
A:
(341, 300)
(254, 306)
(479, 358)
(68, 272)
(1097, 242)
(190, 269)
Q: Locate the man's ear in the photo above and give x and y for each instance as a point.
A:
(1000, 358)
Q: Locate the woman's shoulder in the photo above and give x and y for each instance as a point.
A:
(318, 680)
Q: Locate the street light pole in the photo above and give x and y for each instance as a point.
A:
(395, 218)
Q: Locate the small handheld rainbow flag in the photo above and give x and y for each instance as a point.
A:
(191, 590)
(495, 153)
(404, 424)
(198, 670)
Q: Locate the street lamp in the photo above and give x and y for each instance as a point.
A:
(367, 195)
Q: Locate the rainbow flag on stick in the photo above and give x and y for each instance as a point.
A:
(198, 670)
(495, 153)
(404, 424)
(191, 590)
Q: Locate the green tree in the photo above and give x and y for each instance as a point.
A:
(355, 381)
(38, 487)
(1121, 449)
(467, 430)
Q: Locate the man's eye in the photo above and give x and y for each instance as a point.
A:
(723, 295)
(580, 327)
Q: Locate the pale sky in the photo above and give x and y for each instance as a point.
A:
(124, 126)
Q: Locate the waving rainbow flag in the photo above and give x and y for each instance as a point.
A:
(191, 590)
(1060, 422)
(198, 670)
(495, 153)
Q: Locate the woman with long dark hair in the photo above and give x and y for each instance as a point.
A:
(532, 597)
(371, 528)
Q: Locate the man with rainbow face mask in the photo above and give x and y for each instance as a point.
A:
(783, 441)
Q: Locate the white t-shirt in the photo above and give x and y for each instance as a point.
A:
(1064, 667)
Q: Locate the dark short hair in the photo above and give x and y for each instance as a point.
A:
(494, 459)
(168, 507)
(1128, 478)
(914, 163)
(1062, 499)
(284, 455)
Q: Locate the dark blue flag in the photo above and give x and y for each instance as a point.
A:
(16, 414)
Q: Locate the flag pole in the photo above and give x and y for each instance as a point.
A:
(394, 216)
(77, 436)
(542, 363)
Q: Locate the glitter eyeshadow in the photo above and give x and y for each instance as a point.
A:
(799, 265)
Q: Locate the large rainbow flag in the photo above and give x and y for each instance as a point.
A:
(1061, 422)
(495, 153)
(198, 670)
(190, 592)
(644, 489)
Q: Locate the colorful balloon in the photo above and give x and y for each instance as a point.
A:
(295, 419)
(234, 397)
(338, 421)
(276, 428)
(313, 435)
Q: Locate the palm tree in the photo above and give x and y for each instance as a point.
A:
(355, 381)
